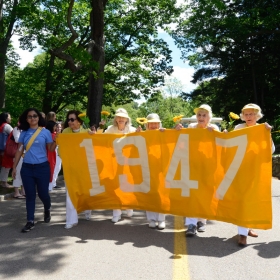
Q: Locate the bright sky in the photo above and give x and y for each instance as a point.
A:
(182, 71)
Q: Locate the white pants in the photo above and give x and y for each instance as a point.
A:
(56, 169)
(71, 212)
(193, 221)
(118, 212)
(55, 172)
(17, 183)
(153, 216)
(4, 174)
(243, 231)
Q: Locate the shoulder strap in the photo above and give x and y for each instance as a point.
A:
(30, 142)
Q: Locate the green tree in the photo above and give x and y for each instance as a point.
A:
(236, 42)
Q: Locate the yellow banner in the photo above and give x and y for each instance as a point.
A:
(192, 172)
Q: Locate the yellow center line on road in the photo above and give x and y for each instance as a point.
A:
(180, 263)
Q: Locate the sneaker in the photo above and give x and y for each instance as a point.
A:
(200, 227)
(68, 226)
(88, 215)
(152, 224)
(28, 227)
(129, 212)
(115, 219)
(47, 216)
(161, 225)
(191, 231)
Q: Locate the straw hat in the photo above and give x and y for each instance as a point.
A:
(153, 118)
(203, 107)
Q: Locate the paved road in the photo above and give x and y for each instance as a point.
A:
(98, 249)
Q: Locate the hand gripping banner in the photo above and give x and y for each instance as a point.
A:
(191, 172)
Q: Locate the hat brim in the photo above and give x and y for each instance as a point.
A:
(154, 121)
(122, 115)
(199, 109)
(250, 108)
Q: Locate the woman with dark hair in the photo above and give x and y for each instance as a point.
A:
(6, 162)
(73, 124)
(35, 171)
(51, 126)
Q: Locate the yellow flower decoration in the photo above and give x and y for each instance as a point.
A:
(85, 119)
(177, 118)
(141, 120)
(82, 115)
(229, 126)
(105, 113)
(234, 116)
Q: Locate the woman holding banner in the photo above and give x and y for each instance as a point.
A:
(155, 219)
(250, 114)
(122, 125)
(203, 115)
(73, 124)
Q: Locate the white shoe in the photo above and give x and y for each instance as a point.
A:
(88, 215)
(116, 219)
(68, 226)
(152, 224)
(161, 225)
(129, 212)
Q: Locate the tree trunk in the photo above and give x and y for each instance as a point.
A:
(2, 77)
(4, 42)
(96, 50)
(47, 102)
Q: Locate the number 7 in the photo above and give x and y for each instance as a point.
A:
(241, 143)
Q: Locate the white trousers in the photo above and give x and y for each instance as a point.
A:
(153, 216)
(55, 172)
(4, 174)
(71, 212)
(193, 221)
(17, 183)
(243, 231)
(118, 212)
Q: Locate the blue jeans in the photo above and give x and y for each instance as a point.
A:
(36, 175)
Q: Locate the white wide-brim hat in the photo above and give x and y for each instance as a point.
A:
(153, 118)
(251, 106)
(203, 107)
(122, 113)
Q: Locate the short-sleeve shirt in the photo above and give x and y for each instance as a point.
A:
(38, 151)
(114, 129)
(194, 125)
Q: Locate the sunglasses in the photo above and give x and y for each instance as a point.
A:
(71, 120)
(32, 116)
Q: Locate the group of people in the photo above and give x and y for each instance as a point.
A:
(35, 142)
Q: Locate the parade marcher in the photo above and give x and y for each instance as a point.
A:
(35, 170)
(203, 115)
(57, 167)
(155, 219)
(250, 114)
(6, 162)
(51, 126)
(121, 124)
(73, 124)
(17, 182)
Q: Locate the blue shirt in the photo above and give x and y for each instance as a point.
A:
(38, 150)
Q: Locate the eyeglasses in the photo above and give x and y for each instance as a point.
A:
(71, 120)
(32, 116)
(249, 115)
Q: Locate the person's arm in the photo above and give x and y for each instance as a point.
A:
(17, 158)
(16, 134)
